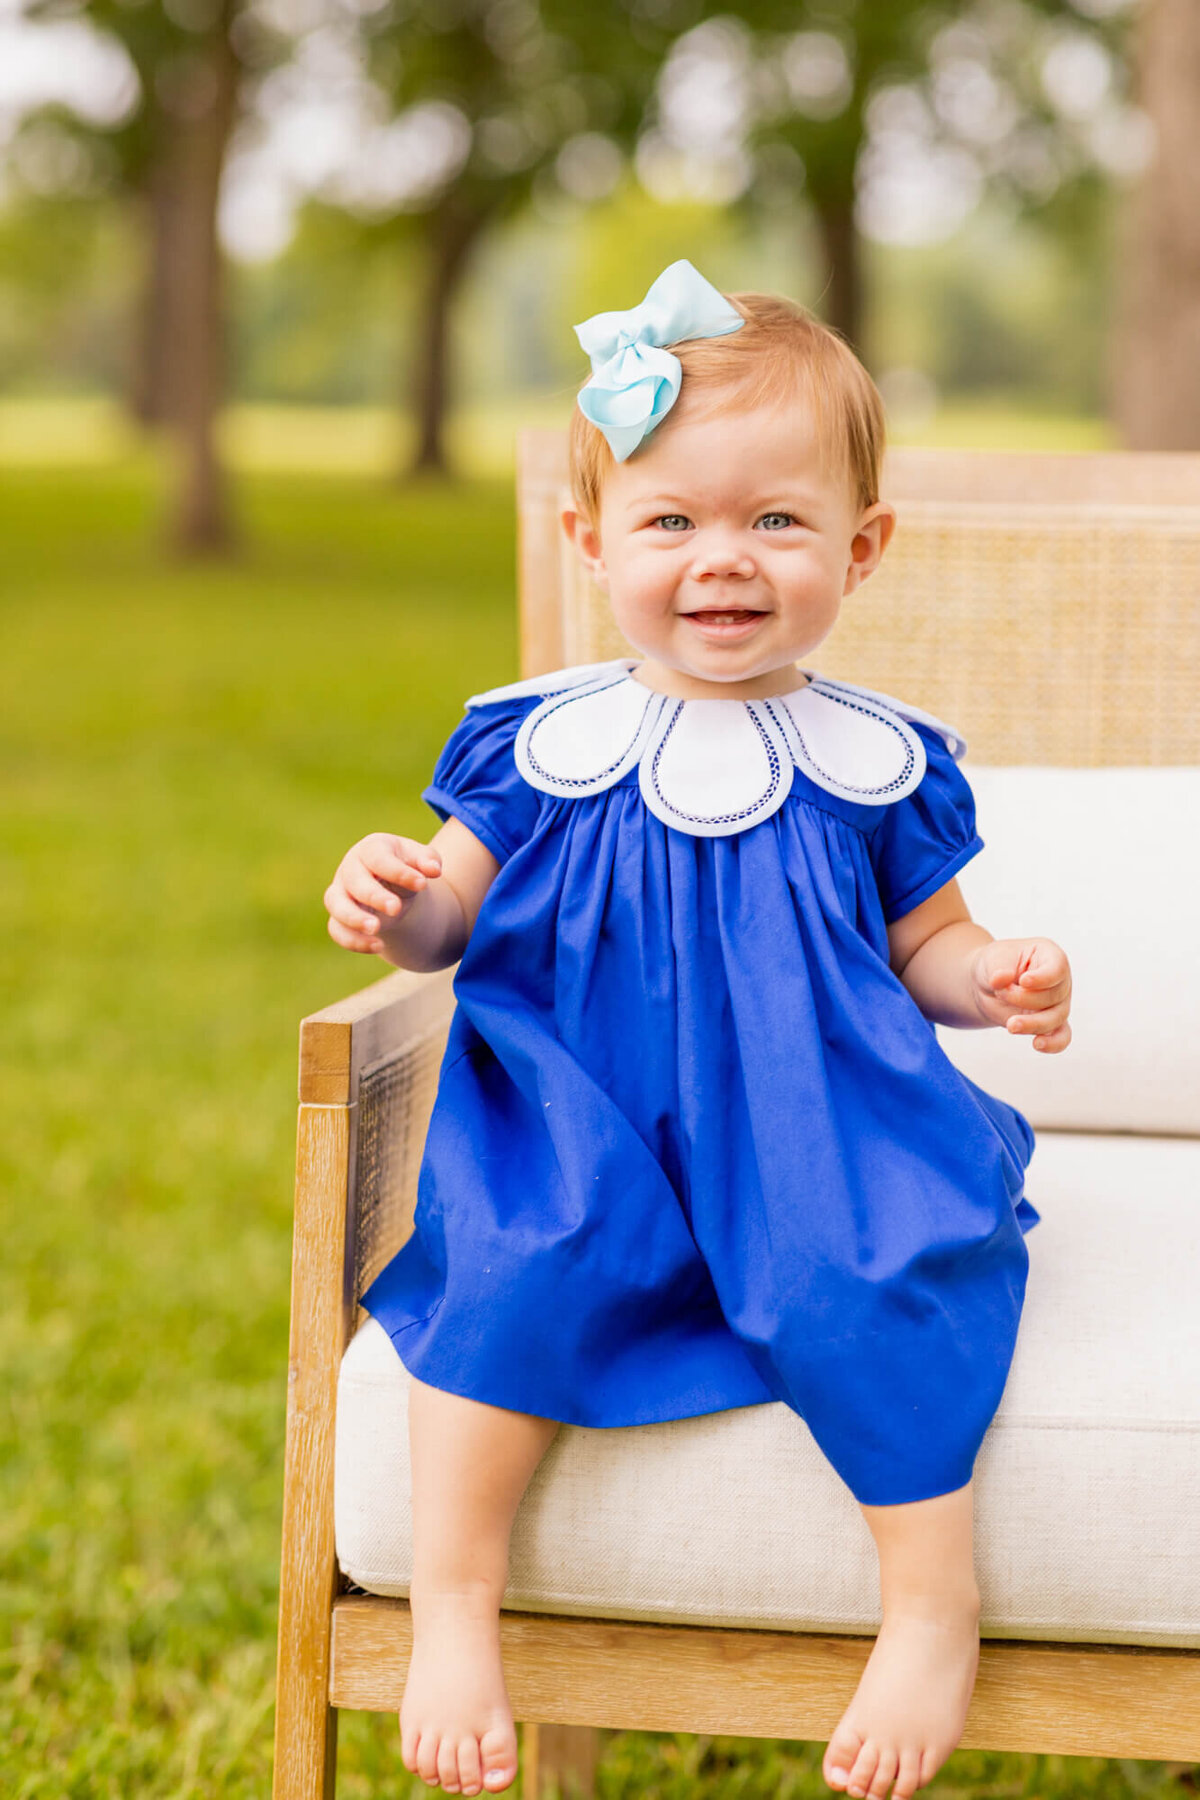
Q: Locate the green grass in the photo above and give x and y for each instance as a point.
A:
(334, 440)
(184, 755)
(372, 441)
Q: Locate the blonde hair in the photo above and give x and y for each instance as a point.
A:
(782, 353)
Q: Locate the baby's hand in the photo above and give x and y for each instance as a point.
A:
(1024, 984)
(368, 876)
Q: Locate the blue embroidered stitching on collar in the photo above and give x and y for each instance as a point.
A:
(776, 769)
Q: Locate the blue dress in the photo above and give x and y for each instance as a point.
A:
(694, 1145)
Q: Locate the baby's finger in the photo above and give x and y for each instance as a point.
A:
(1037, 1018)
(424, 855)
(362, 886)
(349, 939)
(1047, 967)
(341, 906)
(1023, 993)
(413, 869)
(1053, 1040)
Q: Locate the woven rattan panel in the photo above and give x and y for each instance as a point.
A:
(395, 1099)
(1066, 634)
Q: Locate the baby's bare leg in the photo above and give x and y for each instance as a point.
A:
(908, 1710)
(471, 1464)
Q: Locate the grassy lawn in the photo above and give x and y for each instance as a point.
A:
(363, 440)
(185, 753)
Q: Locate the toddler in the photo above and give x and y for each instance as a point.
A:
(695, 1143)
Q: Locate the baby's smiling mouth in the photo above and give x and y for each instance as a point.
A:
(717, 614)
(718, 625)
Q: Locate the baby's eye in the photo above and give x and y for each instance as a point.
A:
(784, 519)
(673, 522)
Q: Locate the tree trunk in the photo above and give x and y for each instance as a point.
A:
(842, 297)
(151, 363)
(198, 120)
(453, 228)
(1155, 347)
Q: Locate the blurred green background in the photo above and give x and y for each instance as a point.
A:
(278, 285)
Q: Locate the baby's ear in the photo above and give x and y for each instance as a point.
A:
(585, 539)
(871, 538)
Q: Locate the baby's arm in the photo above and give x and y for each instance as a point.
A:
(960, 975)
(930, 949)
(425, 898)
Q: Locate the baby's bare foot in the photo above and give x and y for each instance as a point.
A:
(911, 1702)
(456, 1724)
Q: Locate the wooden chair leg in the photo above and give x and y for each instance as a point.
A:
(305, 1723)
(306, 1753)
(559, 1762)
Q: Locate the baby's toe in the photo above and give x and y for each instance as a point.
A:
(499, 1754)
(470, 1765)
(889, 1762)
(838, 1760)
(447, 1765)
(408, 1748)
(908, 1779)
(865, 1764)
(931, 1762)
(427, 1756)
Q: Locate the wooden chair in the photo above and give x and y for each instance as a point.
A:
(1048, 604)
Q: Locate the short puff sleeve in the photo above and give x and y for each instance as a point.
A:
(476, 779)
(923, 840)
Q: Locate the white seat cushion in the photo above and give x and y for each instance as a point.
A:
(1085, 1487)
(1107, 863)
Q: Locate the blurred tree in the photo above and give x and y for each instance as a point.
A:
(814, 69)
(64, 291)
(803, 113)
(527, 95)
(775, 104)
(1155, 367)
(318, 322)
(831, 84)
(167, 155)
(1037, 336)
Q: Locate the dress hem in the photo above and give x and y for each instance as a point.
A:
(509, 1404)
(907, 1496)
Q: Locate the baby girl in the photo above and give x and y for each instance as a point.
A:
(695, 1143)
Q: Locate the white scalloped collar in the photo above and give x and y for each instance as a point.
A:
(714, 767)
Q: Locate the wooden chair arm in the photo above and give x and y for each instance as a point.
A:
(368, 1072)
(340, 1041)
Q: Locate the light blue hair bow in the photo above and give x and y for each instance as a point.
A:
(635, 380)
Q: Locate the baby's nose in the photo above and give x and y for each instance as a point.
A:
(720, 554)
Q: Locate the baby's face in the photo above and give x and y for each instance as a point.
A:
(725, 548)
